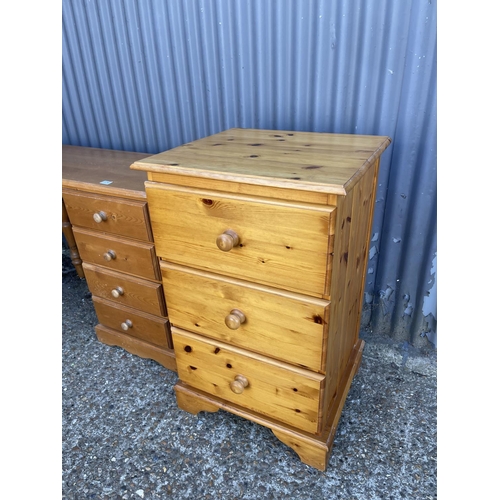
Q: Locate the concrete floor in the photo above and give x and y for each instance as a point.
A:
(124, 437)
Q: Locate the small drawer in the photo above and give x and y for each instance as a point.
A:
(126, 290)
(133, 322)
(107, 214)
(119, 254)
(272, 242)
(277, 390)
(283, 325)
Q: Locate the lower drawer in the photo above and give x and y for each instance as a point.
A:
(138, 324)
(286, 393)
(126, 290)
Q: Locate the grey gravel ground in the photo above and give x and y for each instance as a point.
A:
(124, 437)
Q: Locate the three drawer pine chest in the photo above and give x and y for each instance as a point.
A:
(262, 238)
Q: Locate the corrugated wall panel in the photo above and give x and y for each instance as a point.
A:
(149, 75)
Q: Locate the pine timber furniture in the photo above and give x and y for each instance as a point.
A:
(263, 239)
(106, 223)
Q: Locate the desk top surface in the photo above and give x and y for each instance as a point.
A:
(102, 170)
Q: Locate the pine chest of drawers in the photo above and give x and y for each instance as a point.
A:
(105, 206)
(263, 238)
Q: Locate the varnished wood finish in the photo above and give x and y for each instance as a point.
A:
(274, 225)
(284, 325)
(131, 256)
(316, 162)
(116, 215)
(351, 248)
(130, 291)
(67, 230)
(243, 189)
(281, 244)
(312, 449)
(108, 213)
(139, 347)
(316, 452)
(103, 171)
(135, 322)
(277, 390)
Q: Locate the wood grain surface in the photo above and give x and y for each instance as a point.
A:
(275, 389)
(126, 217)
(319, 162)
(132, 256)
(282, 244)
(136, 292)
(104, 171)
(279, 324)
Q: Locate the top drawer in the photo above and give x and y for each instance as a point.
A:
(108, 214)
(278, 243)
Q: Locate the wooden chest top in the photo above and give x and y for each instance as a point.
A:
(319, 162)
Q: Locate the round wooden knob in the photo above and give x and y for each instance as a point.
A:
(227, 240)
(126, 324)
(100, 216)
(109, 255)
(234, 319)
(238, 384)
(116, 292)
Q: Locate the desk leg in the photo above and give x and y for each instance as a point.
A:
(73, 250)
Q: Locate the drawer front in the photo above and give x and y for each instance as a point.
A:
(129, 256)
(281, 244)
(110, 215)
(141, 325)
(279, 324)
(126, 290)
(277, 390)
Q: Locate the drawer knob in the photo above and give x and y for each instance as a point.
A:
(126, 324)
(238, 384)
(100, 216)
(234, 319)
(116, 292)
(109, 255)
(227, 240)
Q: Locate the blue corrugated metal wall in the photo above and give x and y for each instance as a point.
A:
(149, 75)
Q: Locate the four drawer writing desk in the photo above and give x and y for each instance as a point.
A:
(106, 224)
(262, 238)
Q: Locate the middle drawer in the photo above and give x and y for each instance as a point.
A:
(283, 325)
(129, 256)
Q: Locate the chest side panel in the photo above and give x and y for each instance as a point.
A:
(355, 213)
